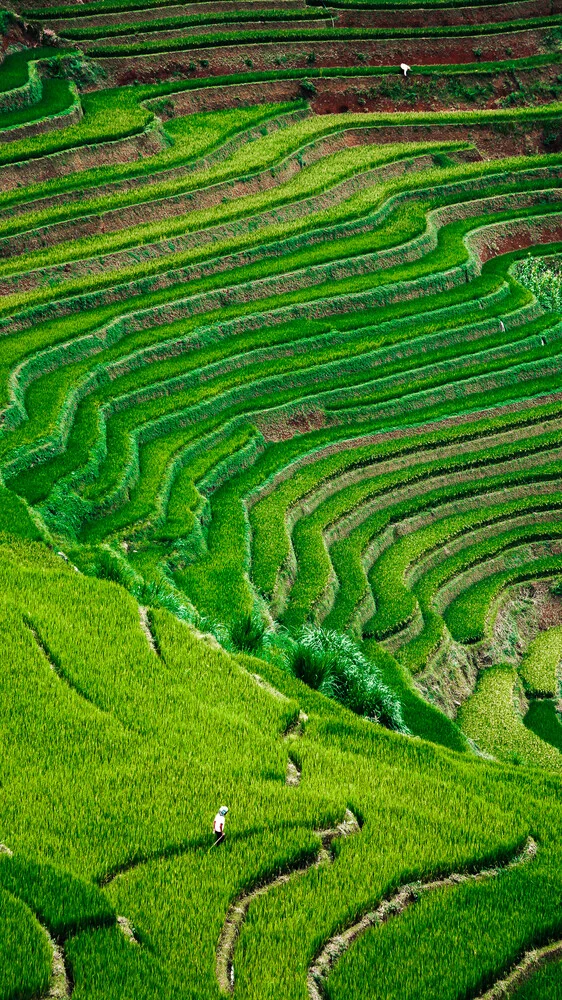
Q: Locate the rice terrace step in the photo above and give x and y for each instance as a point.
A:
(281, 500)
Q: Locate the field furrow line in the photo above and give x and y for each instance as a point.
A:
(393, 907)
(237, 911)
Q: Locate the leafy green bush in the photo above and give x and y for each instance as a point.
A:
(544, 281)
(314, 667)
(308, 88)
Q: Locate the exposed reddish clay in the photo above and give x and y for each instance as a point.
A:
(359, 93)
(521, 235)
(404, 17)
(224, 60)
(289, 425)
(422, 93)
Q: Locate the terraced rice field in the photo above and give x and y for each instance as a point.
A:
(281, 500)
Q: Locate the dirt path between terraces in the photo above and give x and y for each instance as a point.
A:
(237, 911)
(223, 60)
(531, 962)
(393, 906)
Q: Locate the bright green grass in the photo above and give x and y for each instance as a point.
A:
(454, 957)
(114, 757)
(191, 137)
(547, 982)
(25, 953)
(395, 604)
(266, 152)
(133, 730)
(57, 97)
(403, 225)
(14, 71)
(344, 287)
(313, 180)
(106, 119)
(111, 6)
(124, 428)
(15, 517)
(66, 374)
(227, 543)
(490, 718)
(540, 666)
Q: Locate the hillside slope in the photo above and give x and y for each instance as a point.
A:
(280, 402)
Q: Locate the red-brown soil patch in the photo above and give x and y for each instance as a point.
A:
(287, 426)
(444, 16)
(392, 93)
(550, 606)
(224, 60)
(188, 102)
(335, 95)
(521, 234)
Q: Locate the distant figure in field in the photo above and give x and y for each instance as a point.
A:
(218, 824)
(405, 68)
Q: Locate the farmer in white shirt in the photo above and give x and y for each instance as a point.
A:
(405, 68)
(218, 824)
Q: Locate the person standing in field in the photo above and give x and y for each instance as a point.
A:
(218, 824)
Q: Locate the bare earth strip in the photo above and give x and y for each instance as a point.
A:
(61, 985)
(531, 962)
(292, 733)
(126, 928)
(146, 628)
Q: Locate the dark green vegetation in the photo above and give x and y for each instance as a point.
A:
(544, 720)
(280, 497)
(546, 983)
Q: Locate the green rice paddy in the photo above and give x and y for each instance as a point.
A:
(281, 485)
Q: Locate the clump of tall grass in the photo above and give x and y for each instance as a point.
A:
(64, 511)
(247, 633)
(328, 661)
(333, 664)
